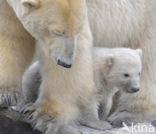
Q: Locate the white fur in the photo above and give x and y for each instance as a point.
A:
(110, 65)
(113, 23)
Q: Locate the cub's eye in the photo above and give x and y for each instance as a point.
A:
(126, 75)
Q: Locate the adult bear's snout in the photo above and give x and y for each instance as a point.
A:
(135, 89)
(63, 64)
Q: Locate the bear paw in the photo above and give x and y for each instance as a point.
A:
(30, 112)
(119, 122)
(8, 98)
(123, 118)
(43, 122)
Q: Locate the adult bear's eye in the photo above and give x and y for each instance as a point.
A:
(126, 75)
(30, 4)
(59, 33)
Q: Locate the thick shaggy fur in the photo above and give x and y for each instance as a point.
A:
(110, 66)
(113, 23)
(129, 24)
(64, 95)
(16, 51)
(115, 70)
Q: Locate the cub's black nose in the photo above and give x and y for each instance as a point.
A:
(135, 89)
(63, 64)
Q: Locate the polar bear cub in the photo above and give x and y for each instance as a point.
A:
(115, 69)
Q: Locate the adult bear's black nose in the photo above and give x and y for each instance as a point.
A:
(135, 89)
(63, 64)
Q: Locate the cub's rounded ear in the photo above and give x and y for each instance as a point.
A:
(139, 51)
(110, 60)
(30, 3)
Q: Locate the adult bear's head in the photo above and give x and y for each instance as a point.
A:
(54, 23)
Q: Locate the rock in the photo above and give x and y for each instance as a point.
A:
(8, 126)
(17, 126)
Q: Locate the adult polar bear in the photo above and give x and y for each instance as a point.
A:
(113, 23)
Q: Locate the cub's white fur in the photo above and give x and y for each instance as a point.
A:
(116, 69)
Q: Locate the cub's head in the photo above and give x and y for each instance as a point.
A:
(54, 23)
(125, 69)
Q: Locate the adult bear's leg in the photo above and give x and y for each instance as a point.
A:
(16, 51)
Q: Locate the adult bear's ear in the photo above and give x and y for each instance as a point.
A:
(110, 60)
(139, 51)
(30, 3)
